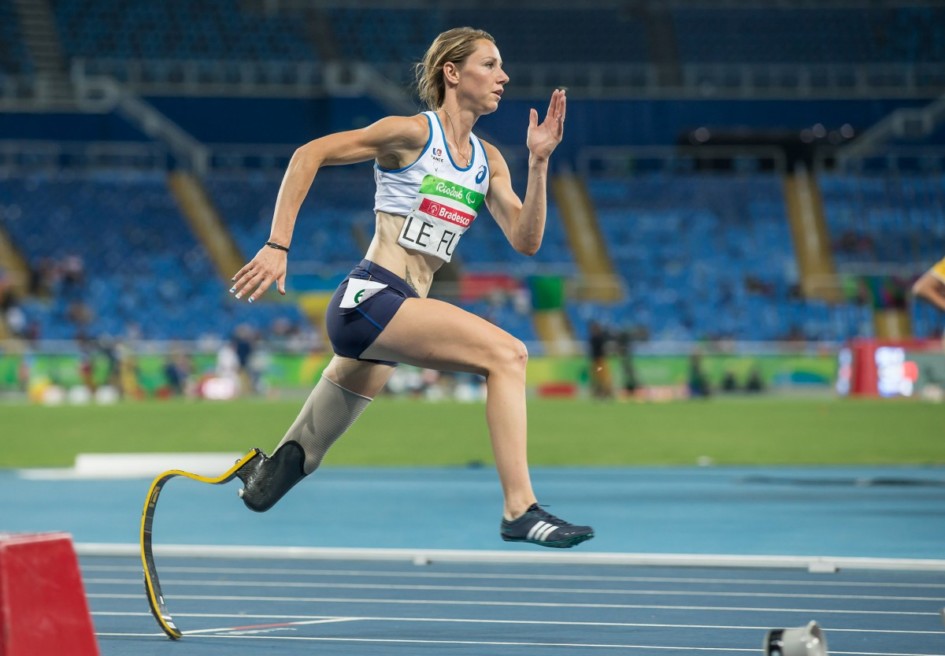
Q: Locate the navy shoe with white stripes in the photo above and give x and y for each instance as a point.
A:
(538, 526)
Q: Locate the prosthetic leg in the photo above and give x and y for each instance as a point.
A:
(151, 583)
(326, 415)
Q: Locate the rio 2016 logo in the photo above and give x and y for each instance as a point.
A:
(481, 174)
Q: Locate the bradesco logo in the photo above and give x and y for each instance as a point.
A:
(434, 186)
(438, 211)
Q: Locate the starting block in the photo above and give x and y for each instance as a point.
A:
(43, 609)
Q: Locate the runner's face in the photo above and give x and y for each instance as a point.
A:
(482, 79)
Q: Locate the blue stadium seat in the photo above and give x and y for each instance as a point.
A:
(13, 57)
(810, 35)
(142, 268)
(891, 220)
(175, 29)
(705, 256)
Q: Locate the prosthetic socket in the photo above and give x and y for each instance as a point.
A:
(327, 414)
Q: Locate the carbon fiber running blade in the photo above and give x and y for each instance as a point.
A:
(152, 583)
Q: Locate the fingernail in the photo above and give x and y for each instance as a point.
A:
(232, 289)
(238, 295)
(250, 299)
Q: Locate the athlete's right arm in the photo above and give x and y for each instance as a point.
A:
(391, 141)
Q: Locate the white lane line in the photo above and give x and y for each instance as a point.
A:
(524, 604)
(248, 583)
(416, 573)
(303, 619)
(823, 564)
(251, 629)
(496, 643)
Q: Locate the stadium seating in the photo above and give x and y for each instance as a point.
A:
(812, 35)
(139, 268)
(606, 34)
(706, 257)
(765, 35)
(395, 36)
(885, 219)
(702, 255)
(13, 57)
(339, 202)
(222, 29)
(888, 225)
(177, 29)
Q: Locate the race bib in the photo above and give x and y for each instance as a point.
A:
(359, 291)
(439, 217)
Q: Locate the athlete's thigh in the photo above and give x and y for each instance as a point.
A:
(364, 378)
(429, 333)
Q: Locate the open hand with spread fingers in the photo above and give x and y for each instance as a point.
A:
(544, 137)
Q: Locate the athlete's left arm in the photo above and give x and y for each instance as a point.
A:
(523, 222)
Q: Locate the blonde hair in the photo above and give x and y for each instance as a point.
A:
(455, 46)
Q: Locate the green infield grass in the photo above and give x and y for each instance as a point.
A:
(400, 432)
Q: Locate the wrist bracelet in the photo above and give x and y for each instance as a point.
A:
(278, 247)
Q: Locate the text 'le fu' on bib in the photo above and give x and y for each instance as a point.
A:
(440, 215)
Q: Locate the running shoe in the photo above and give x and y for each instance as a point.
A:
(538, 526)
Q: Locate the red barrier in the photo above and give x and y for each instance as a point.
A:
(886, 368)
(43, 609)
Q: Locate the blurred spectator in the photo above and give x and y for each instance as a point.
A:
(24, 371)
(129, 385)
(624, 344)
(755, 383)
(794, 334)
(43, 278)
(113, 368)
(755, 285)
(16, 320)
(729, 382)
(10, 310)
(698, 382)
(177, 370)
(87, 365)
(73, 275)
(80, 315)
(244, 345)
(601, 387)
(855, 243)
(228, 363)
(257, 366)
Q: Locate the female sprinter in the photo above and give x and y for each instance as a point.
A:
(432, 175)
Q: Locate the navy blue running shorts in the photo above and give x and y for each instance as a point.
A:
(355, 319)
